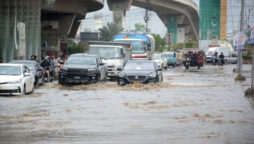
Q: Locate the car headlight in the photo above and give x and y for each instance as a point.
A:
(153, 75)
(15, 82)
(64, 70)
(121, 74)
(92, 70)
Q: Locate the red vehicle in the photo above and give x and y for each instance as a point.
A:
(194, 59)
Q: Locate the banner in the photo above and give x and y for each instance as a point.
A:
(251, 40)
(239, 41)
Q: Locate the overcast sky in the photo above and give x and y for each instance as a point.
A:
(133, 16)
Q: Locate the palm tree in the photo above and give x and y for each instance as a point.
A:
(107, 32)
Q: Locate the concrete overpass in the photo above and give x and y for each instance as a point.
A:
(24, 24)
(179, 16)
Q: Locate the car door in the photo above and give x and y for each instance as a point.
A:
(29, 79)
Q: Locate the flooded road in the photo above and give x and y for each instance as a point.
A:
(191, 106)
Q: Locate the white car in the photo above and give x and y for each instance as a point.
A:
(15, 79)
(160, 60)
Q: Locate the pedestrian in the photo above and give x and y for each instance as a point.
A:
(222, 58)
(17, 58)
(32, 57)
(1, 60)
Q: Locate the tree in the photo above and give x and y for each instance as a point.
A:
(159, 43)
(74, 47)
(107, 32)
(140, 27)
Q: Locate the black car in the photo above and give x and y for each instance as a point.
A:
(139, 71)
(82, 69)
(35, 68)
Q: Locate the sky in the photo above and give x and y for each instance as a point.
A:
(133, 16)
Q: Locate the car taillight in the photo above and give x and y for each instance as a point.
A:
(139, 56)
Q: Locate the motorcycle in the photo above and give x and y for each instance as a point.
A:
(48, 77)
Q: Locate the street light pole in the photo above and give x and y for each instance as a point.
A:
(240, 53)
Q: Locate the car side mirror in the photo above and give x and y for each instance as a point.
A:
(40, 69)
(101, 64)
(27, 74)
(119, 69)
(159, 69)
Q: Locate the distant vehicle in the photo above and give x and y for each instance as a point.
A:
(211, 51)
(35, 68)
(113, 54)
(143, 45)
(82, 69)
(232, 58)
(15, 79)
(171, 58)
(140, 71)
(160, 60)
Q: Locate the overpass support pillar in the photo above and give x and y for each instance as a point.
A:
(20, 27)
(119, 8)
(179, 30)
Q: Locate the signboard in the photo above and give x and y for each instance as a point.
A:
(239, 41)
(251, 40)
(22, 39)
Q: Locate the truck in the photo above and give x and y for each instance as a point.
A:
(113, 54)
(229, 55)
(143, 45)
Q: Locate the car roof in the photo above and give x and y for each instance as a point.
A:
(83, 54)
(23, 61)
(140, 61)
(10, 64)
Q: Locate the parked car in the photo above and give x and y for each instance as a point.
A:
(82, 68)
(171, 58)
(35, 68)
(140, 71)
(160, 60)
(15, 79)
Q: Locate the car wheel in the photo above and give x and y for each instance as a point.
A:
(32, 90)
(61, 81)
(24, 90)
(121, 82)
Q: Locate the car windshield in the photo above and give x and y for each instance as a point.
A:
(106, 53)
(88, 60)
(138, 47)
(10, 70)
(29, 65)
(170, 55)
(234, 55)
(139, 66)
(156, 57)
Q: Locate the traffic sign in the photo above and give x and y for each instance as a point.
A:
(239, 41)
(251, 40)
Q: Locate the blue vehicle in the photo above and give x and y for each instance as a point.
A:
(143, 45)
(171, 58)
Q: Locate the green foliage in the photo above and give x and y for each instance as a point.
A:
(107, 32)
(191, 44)
(74, 47)
(140, 27)
(159, 43)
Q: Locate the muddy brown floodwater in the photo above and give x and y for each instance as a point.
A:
(190, 107)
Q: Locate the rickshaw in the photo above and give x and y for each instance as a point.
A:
(194, 59)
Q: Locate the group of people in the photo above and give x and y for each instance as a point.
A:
(50, 64)
(215, 58)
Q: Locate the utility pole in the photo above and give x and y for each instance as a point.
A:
(147, 18)
(240, 53)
